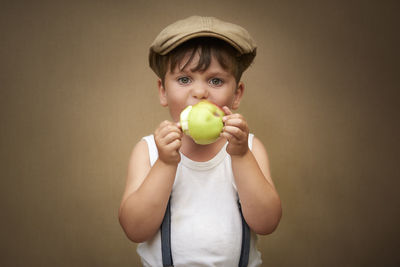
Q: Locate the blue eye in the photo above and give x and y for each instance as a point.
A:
(184, 80)
(216, 81)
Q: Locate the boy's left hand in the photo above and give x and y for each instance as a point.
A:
(236, 131)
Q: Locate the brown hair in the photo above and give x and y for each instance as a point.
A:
(207, 47)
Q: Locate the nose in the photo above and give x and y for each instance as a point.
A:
(200, 91)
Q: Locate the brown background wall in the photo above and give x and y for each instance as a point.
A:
(76, 95)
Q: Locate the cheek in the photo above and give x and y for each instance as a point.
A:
(224, 97)
(175, 108)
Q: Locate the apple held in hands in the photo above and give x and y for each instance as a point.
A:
(202, 122)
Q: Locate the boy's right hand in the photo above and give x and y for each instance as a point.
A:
(168, 138)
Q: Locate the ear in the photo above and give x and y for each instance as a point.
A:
(238, 96)
(162, 93)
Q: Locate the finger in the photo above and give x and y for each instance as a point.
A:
(160, 126)
(231, 138)
(232, 116)
(238, 122)
(227, 136)
(164, 123)
(167, 128)
(174, 145)
(227, 110)
(236, 132)
(171, 137)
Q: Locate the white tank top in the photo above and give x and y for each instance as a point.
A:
(206, 227)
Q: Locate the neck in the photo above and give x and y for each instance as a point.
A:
(198, 152)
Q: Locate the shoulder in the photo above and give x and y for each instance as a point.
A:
(260, 153)
(259, 150)
(258, 145)
(139, 164)
(140, 150)
(144, 149)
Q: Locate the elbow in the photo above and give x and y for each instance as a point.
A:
(270, 224)
(127, 227)
(133, 232)
(266, 230)
(135, 237)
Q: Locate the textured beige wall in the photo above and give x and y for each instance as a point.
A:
(76, 95)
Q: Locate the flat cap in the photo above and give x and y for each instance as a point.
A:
(197, 26)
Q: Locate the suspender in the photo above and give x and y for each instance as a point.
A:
(245, 251)
(166, 239)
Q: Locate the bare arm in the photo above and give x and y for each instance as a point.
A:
(260, 201)
(148, 188)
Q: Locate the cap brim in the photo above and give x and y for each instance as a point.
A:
(178, 42)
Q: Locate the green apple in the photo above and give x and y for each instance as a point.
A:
(202, 122)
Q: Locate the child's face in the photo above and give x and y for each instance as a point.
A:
(184, 87)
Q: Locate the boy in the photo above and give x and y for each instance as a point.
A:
(204, 197)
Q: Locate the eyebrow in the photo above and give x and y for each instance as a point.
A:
(211, 73)
(219, 73)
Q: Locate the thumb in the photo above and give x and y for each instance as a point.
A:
(227, 110)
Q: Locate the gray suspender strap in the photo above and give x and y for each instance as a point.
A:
(245, 251)
(166, 239)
